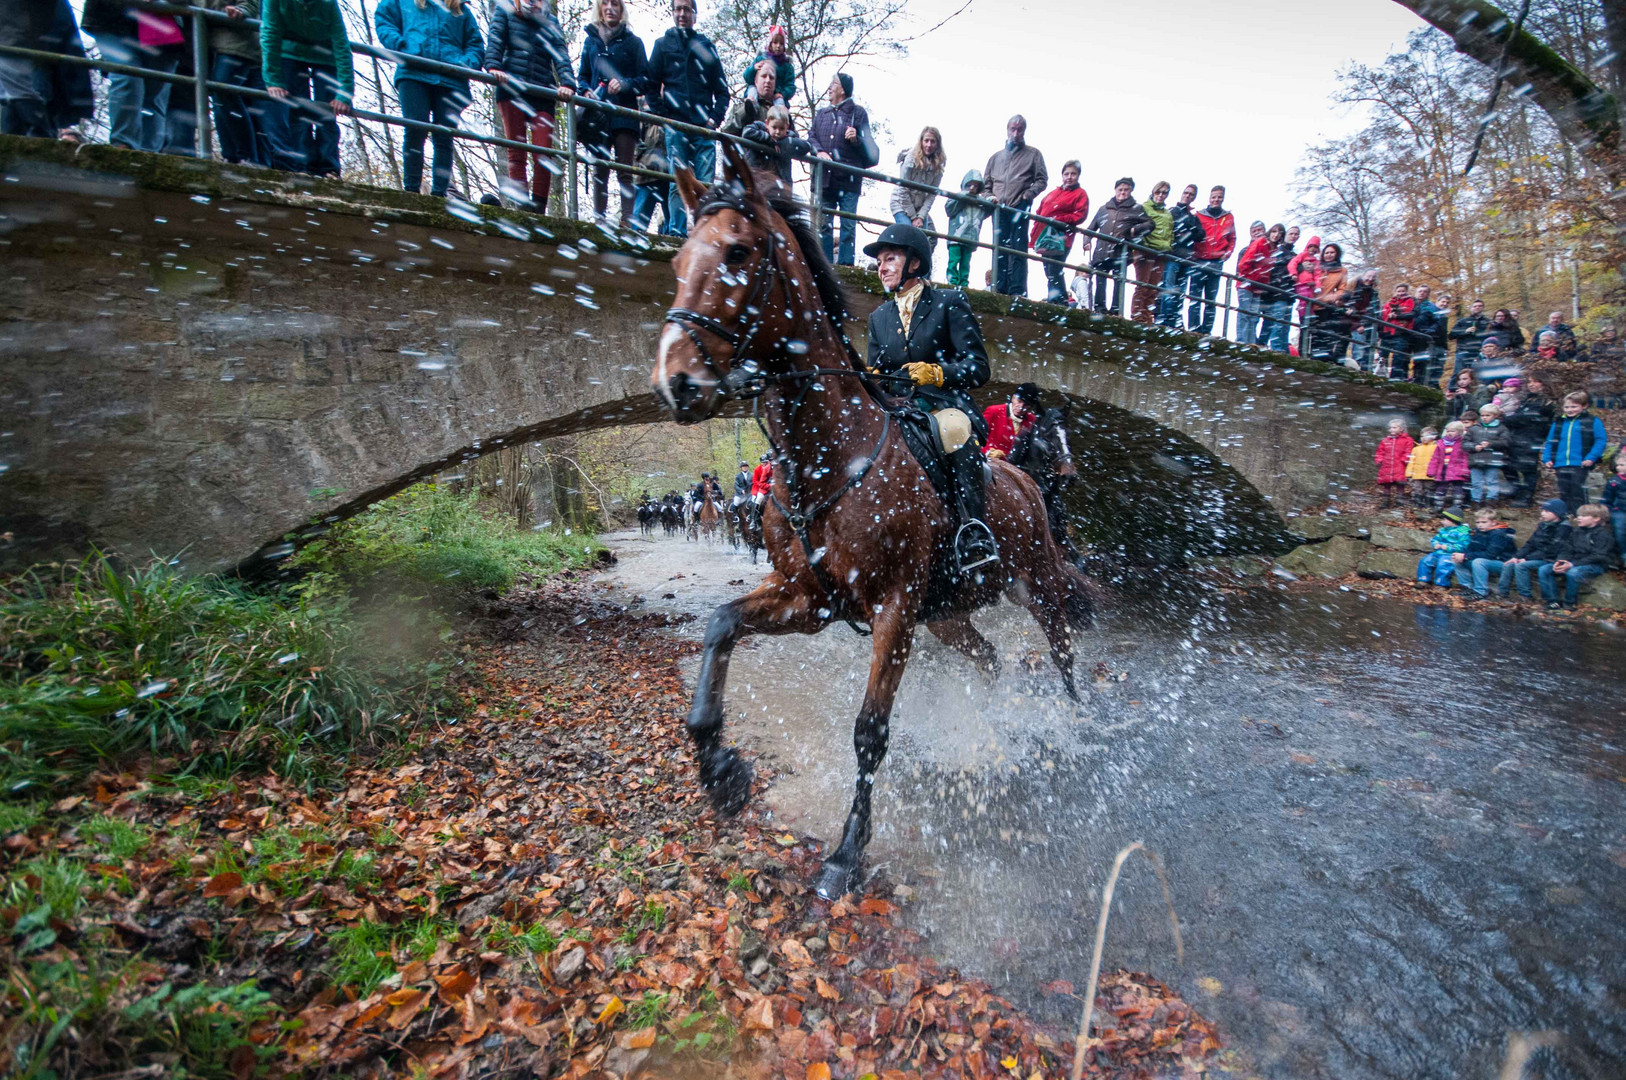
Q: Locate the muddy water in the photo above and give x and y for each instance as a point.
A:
(1395, 834)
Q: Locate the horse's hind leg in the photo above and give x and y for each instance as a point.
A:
(894, 631)
(1047, 603)
(771, 608)
(958, 634)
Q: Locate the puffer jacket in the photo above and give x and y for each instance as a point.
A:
(432, 32)
(1393, 452)
(1546, 542)
(966, 217)
(684, 79)
(1452, 538)
(1496, 543)
(618, 55)
(1417, 463)
(1450, 461)
(1071, 207)
(917, 204)
(1254, 265)
(1497, 439)
(1219, 234)
(530, 47)
(1575, 439)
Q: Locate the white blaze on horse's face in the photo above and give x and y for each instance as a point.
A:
(670, 336)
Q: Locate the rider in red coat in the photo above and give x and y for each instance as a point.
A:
(762, 479)
(1006, 422)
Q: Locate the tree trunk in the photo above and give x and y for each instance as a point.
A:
(1587, 114)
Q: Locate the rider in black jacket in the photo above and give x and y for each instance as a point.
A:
(932, 336)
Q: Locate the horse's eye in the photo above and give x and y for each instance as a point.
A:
(737, 254)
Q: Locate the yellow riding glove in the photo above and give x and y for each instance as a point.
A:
(925, 374)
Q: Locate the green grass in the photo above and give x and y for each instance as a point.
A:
(205, 1025)
(436, 540)
(367, 953)
(100, 664)
(115, 838)
(508, 938)
(20, 816)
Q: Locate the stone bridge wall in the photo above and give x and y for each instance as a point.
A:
(207, 357)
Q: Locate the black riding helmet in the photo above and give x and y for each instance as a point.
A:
(908, 238)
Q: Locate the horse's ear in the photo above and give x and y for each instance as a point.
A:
(738, 170)
(690, 190)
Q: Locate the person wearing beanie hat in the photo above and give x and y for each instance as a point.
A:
(1552, 533)
(776, 51)
(1435, 568)
(840, 133)
(1120, 221)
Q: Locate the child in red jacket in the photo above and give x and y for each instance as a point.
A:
(1392, 454)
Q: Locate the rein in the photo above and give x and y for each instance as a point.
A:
(745, 379)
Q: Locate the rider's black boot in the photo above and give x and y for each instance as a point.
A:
(974, 544)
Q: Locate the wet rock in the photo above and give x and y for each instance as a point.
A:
(619, 1062)
(1328, 559)
(751, 946)
(816, 945)
(1607, 592)
(1400, 538)
(1402, 564)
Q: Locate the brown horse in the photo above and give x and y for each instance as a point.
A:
(709, 518)
(854, 526)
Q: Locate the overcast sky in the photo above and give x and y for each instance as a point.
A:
(1203, 91)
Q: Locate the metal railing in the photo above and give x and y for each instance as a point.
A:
(574, 154)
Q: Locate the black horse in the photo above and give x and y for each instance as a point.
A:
(1042, 452)
(647, 515)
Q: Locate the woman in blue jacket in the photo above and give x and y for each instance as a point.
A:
(442, 30)
(612, 69)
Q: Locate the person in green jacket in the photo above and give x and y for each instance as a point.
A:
(305, 58)
(1149, 263)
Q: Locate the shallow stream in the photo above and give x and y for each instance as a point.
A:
(1395, 833)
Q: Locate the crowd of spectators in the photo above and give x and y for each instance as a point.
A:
(1167, 258)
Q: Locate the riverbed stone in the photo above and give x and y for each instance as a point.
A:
(1328, 559)
(1608, 592)
(1402, 564)
(1400, 538)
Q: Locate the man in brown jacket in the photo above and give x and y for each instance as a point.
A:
(1016, 176)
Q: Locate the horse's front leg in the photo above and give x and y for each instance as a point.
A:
(894, 631)
(771, 608)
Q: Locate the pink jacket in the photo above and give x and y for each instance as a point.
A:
(1450, 461)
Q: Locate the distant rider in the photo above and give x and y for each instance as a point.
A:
(933, 336)
(742, 484)
(762, 481)
(1007, 422)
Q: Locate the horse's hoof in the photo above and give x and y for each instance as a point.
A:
(731, 789)
(835, 881)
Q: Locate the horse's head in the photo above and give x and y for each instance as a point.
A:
(722, 331)
(1054, 425)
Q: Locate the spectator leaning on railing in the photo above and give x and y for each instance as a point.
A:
(1253, 267)
(249, 129)
(1330, 324)
(1069, 204)
(613, 69)
(1119, 222)
(1188, 233)
(1016, 176)
(527, 44)
(966, 216)
(841, 133)
(25, 25)
(305, 54)
(446, 34)
(1276, 295)
(1216, 245)
(1148, 259)
(924, 164)
(685, 83)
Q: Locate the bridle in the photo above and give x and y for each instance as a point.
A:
(746, 380)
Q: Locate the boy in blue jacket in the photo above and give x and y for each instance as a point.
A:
(1435, 568)
(1575, 443)
(1489, 546)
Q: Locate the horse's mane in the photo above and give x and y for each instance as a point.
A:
(729, 195)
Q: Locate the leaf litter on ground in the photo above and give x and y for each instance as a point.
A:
(540, 889)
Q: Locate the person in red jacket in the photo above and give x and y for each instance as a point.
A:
(1219, 240)
(1394, 333)
(1070, 204)
(1006, 422)
(1253, 266)
(761, 480)
(1392, 455)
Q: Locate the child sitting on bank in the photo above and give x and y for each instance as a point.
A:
(1614, 500)
(1422, 486)
(1435, 568)
(1393, 452)
(1448, 468)
(1586, 552)
(1490, 544)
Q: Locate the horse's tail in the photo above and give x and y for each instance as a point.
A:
(1077, 598)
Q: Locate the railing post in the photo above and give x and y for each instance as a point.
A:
(815, 201)
(1225, 324)
(200, 77)
(570, 161)
(1123, 280)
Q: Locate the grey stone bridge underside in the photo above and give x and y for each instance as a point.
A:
(205, 358)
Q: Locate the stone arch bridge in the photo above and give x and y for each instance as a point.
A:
(206, 358)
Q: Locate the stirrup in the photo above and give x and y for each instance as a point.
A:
(974, 546)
